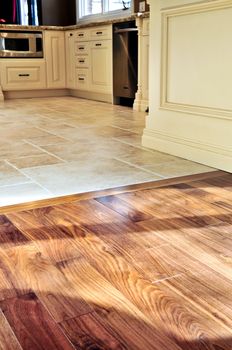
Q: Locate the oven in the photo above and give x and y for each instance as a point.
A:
(21, 44)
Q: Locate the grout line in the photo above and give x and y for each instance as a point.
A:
(45, 151)
(139, 167)
(29, 177)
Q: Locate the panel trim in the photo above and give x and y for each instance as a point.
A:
(166, 14)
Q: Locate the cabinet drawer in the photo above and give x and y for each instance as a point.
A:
(23, 75)
(82, 79)
(101, 33)
(82, 61)
(82, 35)
(82, 48)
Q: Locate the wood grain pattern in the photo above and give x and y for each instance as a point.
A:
(8, 340)
(147, 269)
(91, 332)
(33, 325)
(33, 272)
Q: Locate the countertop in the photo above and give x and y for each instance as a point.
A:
(76, 26)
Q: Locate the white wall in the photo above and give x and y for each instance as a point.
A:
(191, 80)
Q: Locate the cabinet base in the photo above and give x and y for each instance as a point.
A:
(96, 96)
(36, 93)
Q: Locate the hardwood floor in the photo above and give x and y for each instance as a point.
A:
(140, 269)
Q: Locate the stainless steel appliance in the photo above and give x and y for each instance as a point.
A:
(21, 44)
(125, 62)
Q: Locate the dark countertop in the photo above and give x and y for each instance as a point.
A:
(76, 26)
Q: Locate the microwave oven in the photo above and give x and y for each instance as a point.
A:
(21, 44)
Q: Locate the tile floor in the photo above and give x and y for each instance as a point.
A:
(58, 146)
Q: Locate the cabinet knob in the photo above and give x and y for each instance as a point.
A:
(71, 34)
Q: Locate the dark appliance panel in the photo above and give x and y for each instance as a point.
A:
(125, 64)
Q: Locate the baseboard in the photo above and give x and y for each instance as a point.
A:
(96, 96)
(36, 93)
(208, 154)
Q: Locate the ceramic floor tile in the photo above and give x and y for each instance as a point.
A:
(179, 167)
(34, 161)
(22, 193)
(84, 176)
(46, 140)
(11, 176)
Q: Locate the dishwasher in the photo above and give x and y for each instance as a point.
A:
(125, 62)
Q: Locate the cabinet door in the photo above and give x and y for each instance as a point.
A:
(101, 66)
(145, 67)
(55, 59)
(70, 59)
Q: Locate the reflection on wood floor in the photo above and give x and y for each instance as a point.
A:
(149, 269)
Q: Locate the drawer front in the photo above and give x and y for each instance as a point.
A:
(101, 33)
(82, 79)
(82, 48)
(82, 35)
(82, 61)
(146, 26)
(19, 76)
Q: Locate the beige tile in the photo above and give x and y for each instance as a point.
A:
(22, 193)
(85, 175)
(142, 157)
(10, 176)
(46, 140)
(178, 167)
(17, 149)
(34, 161)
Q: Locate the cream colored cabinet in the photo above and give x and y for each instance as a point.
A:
(142, 96)
(91, 57)
(22, 74)
(101, 66)
(70, 59)
(55, 59)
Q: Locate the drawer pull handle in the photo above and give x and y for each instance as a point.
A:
(81, 79)
(81, 34)
(81, 48)
(81, 61)
(99, 33)
(125, 87)
(24, 75)
(98, 44)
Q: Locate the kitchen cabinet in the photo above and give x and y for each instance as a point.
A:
(22, 74)
(70, 59)
(101, 66)
(55, 59)
(89, 55)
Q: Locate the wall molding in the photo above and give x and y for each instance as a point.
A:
(166, 14)
(209, 154)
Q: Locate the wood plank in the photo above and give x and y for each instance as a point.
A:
(54, 239)
(135, 328)
(9, 234)
(31, 271)
(123, 208)
(156, 303)
(181, 239)
(32, 324)
(92, 332)
(8, 340)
